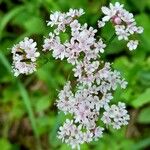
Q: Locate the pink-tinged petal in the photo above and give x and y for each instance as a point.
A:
(106, 18)
(117, 4)
(105, 10)
(111, 6)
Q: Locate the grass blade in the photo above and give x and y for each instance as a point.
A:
(25, 98)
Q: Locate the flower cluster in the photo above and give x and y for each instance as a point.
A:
(82, 41)
(62, 19)
(24, 57)
(115, 115)
(89, 103)
(123, 21)
(96, 80)
(73, 135)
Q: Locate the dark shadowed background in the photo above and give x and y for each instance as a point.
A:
(29, 119)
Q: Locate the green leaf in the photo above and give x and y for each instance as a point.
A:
(5, 62)
(4, 144)
(144, 21)
(47, 74)
(44, 124)
(42, 103)
(144, 77)
(35, 25)
(53, 134)
(142, 99)
(27, 103)
(140, 5)
(142, 144)
(28, 106)
(123, 65)
(9, 16)
(144, 116)
(64, 147)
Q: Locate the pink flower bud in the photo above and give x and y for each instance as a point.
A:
(117, 20)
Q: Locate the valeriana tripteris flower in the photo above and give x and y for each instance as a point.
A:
(24, 57)
(132, 45)
(115, 115)
(123, 21)
(62, 19)
(73, 135)
(95, 80)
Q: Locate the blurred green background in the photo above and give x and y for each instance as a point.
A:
(29, 119)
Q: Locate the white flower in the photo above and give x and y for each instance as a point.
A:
(131, 28)
(80, 12)
(109, 13)
(121, 32)
(75, 25)
(105, 118)
(99, 46)
(55, 18)
(98, 132)
(59, 51)
(117, 6)
(91, 67)
(88, 136)
(101, 24)
(126, 16)
(78, 70)
(75, 12)
(106, 98)
(49, 42)
(140, 30)
(81, 114)
(132, 44)
(123, 84)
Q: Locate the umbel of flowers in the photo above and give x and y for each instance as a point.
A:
(124, 23)
(24, 57)
(90, 101)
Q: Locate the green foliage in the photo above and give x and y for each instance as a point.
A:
(4, 143)
(32, 98)
(143, 99)
(143, 116)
